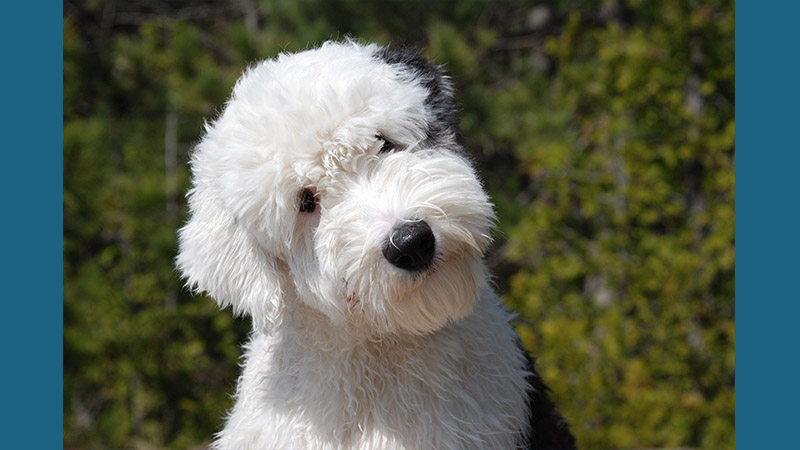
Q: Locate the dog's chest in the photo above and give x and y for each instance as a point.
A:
(447, 391)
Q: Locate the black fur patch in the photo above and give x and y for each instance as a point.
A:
(547, 428)
(440, 101)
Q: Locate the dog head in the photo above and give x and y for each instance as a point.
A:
(334, 177)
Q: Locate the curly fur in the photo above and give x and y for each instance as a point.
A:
(315, 159)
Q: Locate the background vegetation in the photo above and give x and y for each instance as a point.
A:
(604, 131)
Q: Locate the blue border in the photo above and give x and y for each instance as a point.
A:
(767, 228)
(32, 188)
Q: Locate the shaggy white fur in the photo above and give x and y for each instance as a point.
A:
(299, 186)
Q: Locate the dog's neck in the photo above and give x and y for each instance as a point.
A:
(312, 329)
(388, 384)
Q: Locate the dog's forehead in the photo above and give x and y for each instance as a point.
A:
(336, 93)
(306, 115)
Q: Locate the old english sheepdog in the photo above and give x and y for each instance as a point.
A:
(333, 203)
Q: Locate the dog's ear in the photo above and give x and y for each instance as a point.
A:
(440, 102)
(218, 256)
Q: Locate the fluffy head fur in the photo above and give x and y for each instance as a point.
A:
(317, 157)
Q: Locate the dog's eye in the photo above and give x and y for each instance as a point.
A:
(386, 146)
(308, 200)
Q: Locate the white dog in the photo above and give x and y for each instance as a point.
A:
(333, 203)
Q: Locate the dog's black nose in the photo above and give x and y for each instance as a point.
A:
(410, 246)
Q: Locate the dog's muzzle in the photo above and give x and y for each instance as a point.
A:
(411, 246)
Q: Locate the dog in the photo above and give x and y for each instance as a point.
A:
(333, 203)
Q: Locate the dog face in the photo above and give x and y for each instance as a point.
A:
(334, 178)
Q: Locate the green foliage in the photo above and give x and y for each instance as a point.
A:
(626, 246)
(605, 134)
